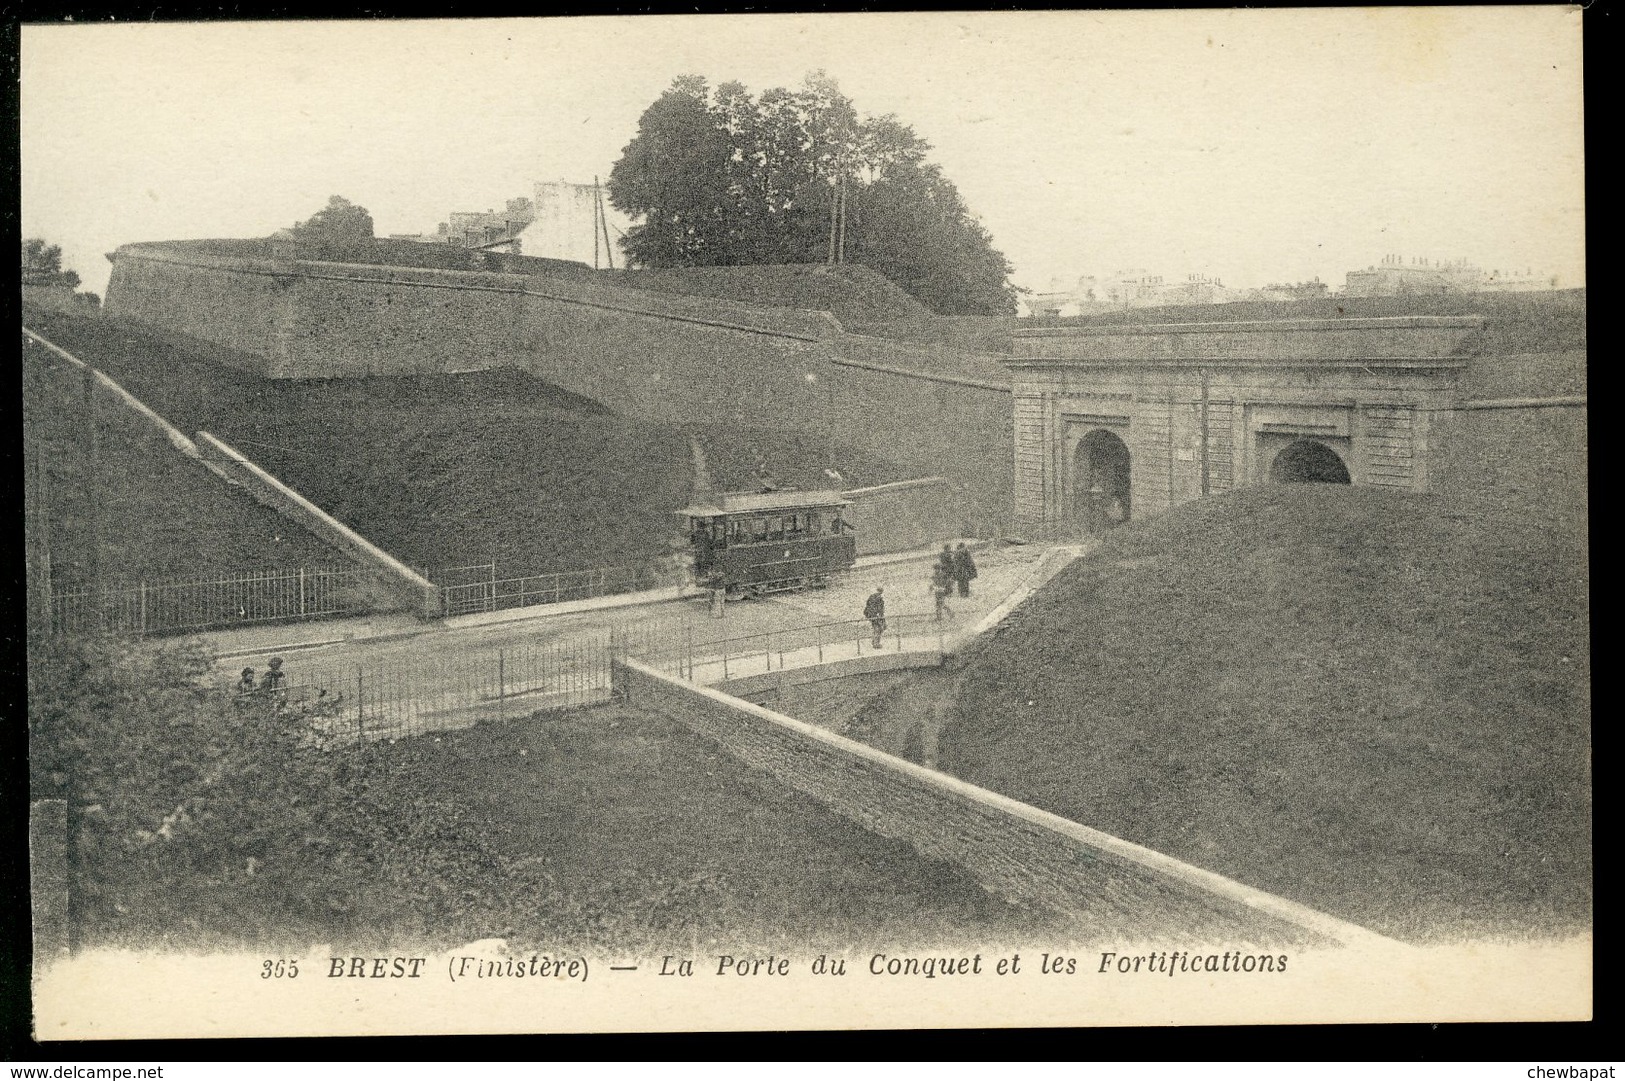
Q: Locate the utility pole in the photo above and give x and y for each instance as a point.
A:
(603, 221)
(595, 212)
(840, 251)
(1204, 432)
(93, 496)
(834, 210)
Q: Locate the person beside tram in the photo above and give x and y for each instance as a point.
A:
(874, 610)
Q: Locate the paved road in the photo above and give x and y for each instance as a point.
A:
(676, 623)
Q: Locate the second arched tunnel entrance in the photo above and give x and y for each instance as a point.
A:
(1308, 461)
(1103, 470)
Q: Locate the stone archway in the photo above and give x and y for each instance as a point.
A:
(1103, 492)
(1308, 461)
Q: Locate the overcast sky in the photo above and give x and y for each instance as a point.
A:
(1255, 146)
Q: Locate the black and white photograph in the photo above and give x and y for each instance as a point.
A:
(656, 523)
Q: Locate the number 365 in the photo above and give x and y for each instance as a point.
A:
(279, 969)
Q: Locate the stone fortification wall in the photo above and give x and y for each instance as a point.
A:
(1016, 851)
(904, 515)
(664, 357)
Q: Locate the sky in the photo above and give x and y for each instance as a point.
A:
(1254, 146)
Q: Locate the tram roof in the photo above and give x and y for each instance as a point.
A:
(725, 504)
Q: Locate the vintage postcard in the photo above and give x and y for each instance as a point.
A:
(715, 522)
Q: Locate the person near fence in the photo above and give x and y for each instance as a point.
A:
(245, 684)
(964, 569)
(874, 610)
(942, 586)
(275, 678)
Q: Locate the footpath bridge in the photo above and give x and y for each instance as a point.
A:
(394, 677)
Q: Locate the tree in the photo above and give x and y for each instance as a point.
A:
(340, 219)
(677, 173)
(195, 813)
(797, 176)
(42, 265)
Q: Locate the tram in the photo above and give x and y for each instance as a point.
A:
(752, 543)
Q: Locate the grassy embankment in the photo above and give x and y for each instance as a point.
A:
(1372, 702)
(162, 515)
(604, 830)
(442, 470)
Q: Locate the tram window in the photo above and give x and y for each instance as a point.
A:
(759, 529)
(719, 534)
(813, 524)
(738, 532)
(835, 524)
(776, 529)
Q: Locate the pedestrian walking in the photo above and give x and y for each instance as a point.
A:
(874, 610)
(942, 587)
(964, 569)
(245, 683)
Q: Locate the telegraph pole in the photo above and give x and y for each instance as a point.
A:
(840, 251)
(833, 212)
(1205, 474)
(93, 496)
(603, 221)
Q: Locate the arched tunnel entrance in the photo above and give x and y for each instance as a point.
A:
(1308, 461)
(1103, 496)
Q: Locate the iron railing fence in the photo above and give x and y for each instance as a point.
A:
(457, 688)
(477, 588)
(449, 689)
(187, 605)
(720, 660)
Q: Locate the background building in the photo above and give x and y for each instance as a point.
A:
(560, 220)
(1398, 276)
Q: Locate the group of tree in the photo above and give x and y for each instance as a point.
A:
(42, 267)
(340, 219)
(797, 176)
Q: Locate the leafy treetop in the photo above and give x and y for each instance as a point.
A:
(724, 179)
(339, 219)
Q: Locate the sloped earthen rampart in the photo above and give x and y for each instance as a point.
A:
(657, 356)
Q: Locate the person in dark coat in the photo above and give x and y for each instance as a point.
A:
(942, 587)
(964, 569)
(874, 610)
(274, 680)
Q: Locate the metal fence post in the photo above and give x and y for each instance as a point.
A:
(502, 684)
(360, 708)
(493, 597)
(143, 607)
(301, 592)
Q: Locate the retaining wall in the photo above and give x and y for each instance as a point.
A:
(48, 879)
(656, 356)
(903, 516)
(1015, 851)
(412, 589)
(160, 510)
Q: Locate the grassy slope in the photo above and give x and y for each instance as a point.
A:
(1373, 702)
(850, 292)
(621, 804)
(443, 470)
(162, 515)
